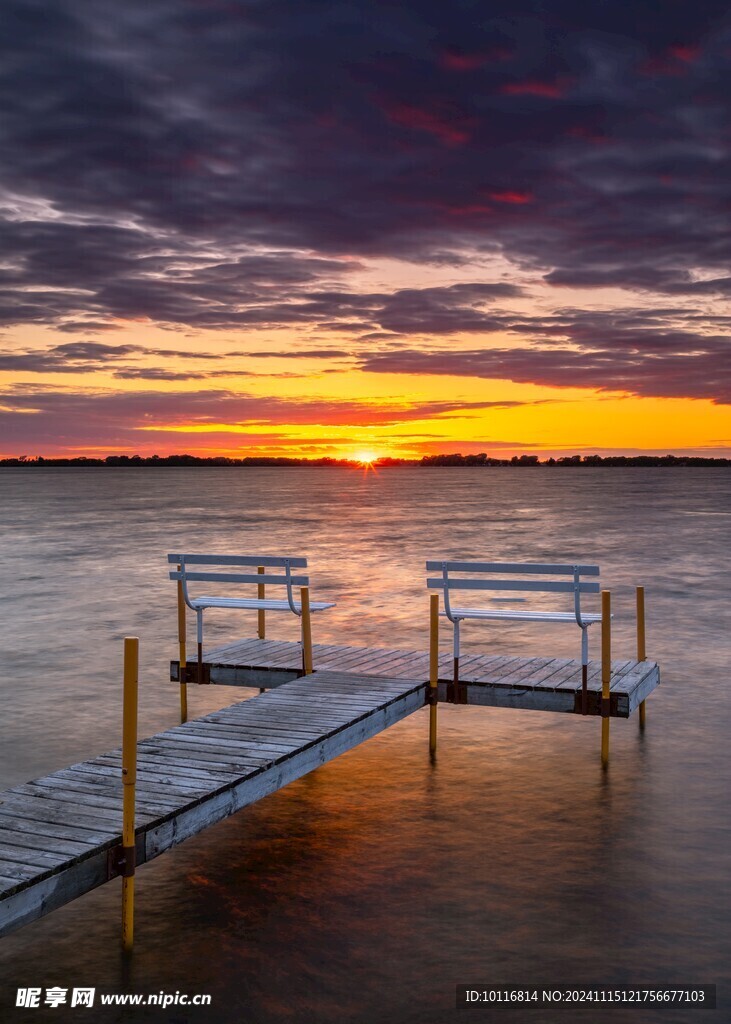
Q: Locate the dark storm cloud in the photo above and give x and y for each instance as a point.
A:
(639, 351)
(222, 165)
(658, 366)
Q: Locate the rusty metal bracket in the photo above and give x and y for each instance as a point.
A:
(190, 673)
(456, 693)
(594, 704)
(121, 861)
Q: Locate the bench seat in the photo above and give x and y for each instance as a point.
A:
(265, 604)
(536, 616)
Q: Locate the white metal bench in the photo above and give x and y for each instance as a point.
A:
(186, 572)
(575, 585)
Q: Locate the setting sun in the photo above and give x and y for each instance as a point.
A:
(365, 458)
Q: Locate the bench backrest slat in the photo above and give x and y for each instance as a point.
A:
(265, 560)
(529, 568)
(183, 574)
(478, 578)
(230, 577)
(543, 586)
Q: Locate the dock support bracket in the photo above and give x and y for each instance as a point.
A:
(121, 862)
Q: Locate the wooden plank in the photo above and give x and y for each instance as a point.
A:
(250, 730)
(246, 758)
(78, 833)
(484, 695)
(644, 688)
(86, 796)
(341, 658)
(29, 857)
(176, 786)
(233, 732)
(497, 672)
(175, 769)
(207, 756)
(483, 670)
(56, 810)
(15, 869)
(23, 840)
(251, 677)
(99, 783)
(253, 754)
(48, 892)
(527, 671)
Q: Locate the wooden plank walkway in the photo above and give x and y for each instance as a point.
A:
(59, 833)
(542, 684)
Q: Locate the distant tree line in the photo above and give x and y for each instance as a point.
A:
(574, 460)
(483, 459)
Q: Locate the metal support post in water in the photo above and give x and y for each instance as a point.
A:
(261, 614)
(641, 653)
(306, 631)
(606, 671)
(129, 781)
(433, 670)
(181, 644)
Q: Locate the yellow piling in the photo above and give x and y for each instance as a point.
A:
(129, 780)
(641, 652)
(261, 594)
(433, 670)
(181, 645)
(606, 671)
(306, 631)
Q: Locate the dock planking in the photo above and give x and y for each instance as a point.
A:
(59, 833)
(487, 680)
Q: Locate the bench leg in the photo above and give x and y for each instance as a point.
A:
(306, 631)
(584, 670)
(455, 676)
(200, 645)
(433, 672)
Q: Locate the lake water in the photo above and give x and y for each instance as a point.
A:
(368, 890)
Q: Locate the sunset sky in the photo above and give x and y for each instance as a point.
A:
(323, 228)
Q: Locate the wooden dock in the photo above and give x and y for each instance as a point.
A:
(541, 684)
(61, 834)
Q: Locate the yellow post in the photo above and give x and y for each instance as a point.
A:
(129, 780)
(606, 671)
(433, 670)
(181, 645)
(641, 653)
(261, 614)
(306, 631)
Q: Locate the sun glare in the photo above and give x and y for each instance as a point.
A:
(365, 458)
